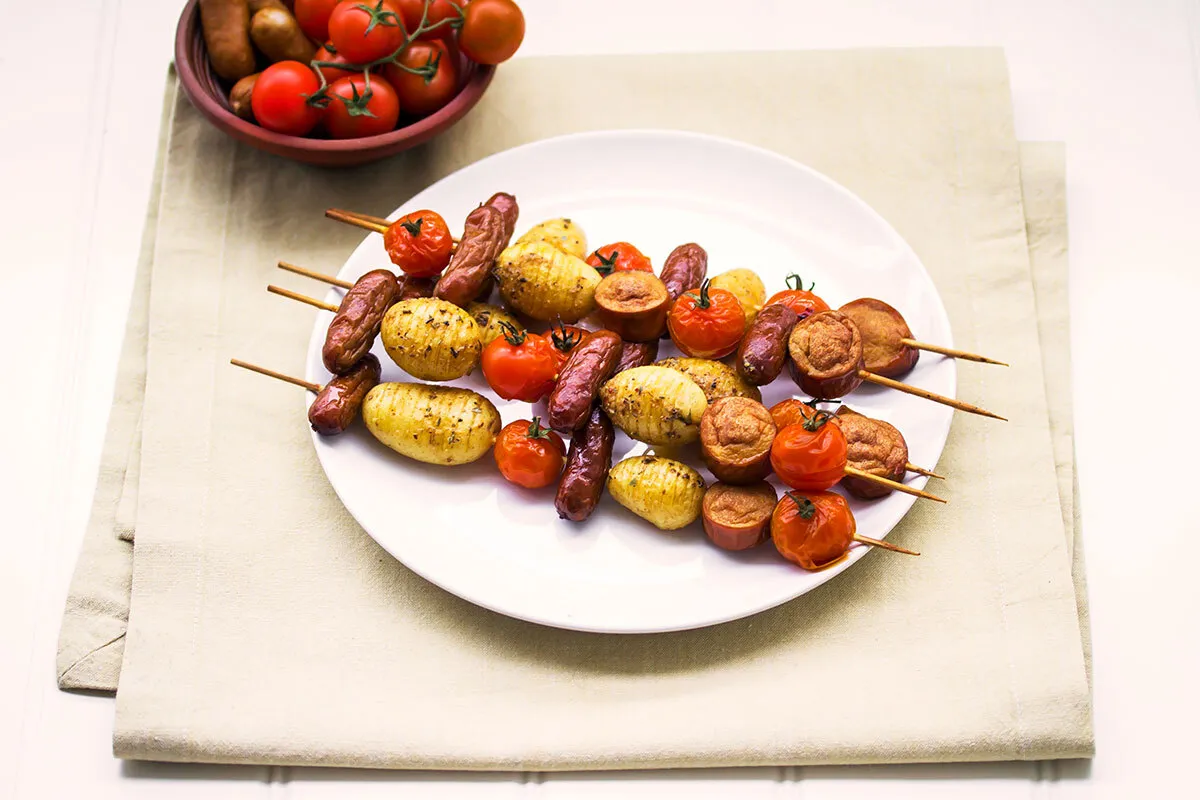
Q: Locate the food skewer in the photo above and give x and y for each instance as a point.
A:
(917, 391)
(337, 403)
(364, 221)
(911, 467)
(950, 351)
(889, 347)
(854, 472)
(316, 276)
(303, 298)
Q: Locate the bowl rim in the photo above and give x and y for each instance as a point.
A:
(467, 96)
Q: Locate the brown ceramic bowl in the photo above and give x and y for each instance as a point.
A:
(210, 95)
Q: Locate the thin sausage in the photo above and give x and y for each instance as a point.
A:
(684, 269)
(338, 403)
(636, 354)
(588, 462)
(764, 348)
(357, 321)
(590, 364)
(483, 240)
(506, 204)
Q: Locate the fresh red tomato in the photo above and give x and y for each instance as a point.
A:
(811, 455)
(565, 338)
(332, 73)
(520, 365)
(359, 109)
(791, 412)
(492, 30)
(814, 530)
(365, 30)
(419, 243)
(439, 10)
(798, 299)
(619, 257)
(528, 454)
(313, 16)
(707, 323)
(424, 94)
(281, 98)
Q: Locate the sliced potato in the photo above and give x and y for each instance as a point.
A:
(488, 317)
(431, 339)
(545, 283)
(434, 424)
(715, 378)
(669, 494)
(746, 286)
(562, 233)
(655, 405)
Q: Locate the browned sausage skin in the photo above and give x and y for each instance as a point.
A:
(764, 348)
(738, 517)
(636, 354)
(590, 364)
(337, 404)
(483, 240)
(358, 319)
(411, 287)
(588, 462)
(883, 330)
(873, 446)
(506, 204)
(826, 355)
(684, 269)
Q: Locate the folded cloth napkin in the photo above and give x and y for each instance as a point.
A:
(242, 607)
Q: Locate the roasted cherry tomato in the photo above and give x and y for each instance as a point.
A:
(619, 257)
(419, 243)
(793, 412)
(706, 323)
(811, 455)
(492, 30)
(313, 16)
(332, 73)
(528, 454)
(439, 11)
(421, 94)
(798, 299)
(520, 365)
(358, 109)
(280, 98)
(365, 30)
(565, 338)
(814, 530)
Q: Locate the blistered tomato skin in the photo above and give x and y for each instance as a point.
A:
(809, 460)
(813, 530)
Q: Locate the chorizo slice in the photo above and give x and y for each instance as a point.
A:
(634, 304)
(735, 440)
(826, 355)
(873, 446)
(738, 517)
(883, 330)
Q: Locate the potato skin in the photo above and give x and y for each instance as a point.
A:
(655, 405)
(666, 493)
(715, 378)
(746, 286)
(431, 339)
(561, 233)
(226, 26)
(434, 424)
(545, 283)
(488, 317)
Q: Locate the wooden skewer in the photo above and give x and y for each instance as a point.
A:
(911, 467)
(950, 351)
(928, 395)
(358, 220)
(308, 273)
(879, 543)
(270, 373)
(899, 487)
(303, 298)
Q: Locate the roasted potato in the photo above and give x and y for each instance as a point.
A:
(717, 379)
(562, 233)
(434, 424)
(666, 493)
(431, 339)
(746, 286)
(545, 283)
(655, 405)
(488, 317)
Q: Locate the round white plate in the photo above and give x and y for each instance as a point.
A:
(503, 547)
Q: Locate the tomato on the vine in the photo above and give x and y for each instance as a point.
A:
(793, 412)
(814, 530)
(520, 365)
(619, 257)
(798, 299)
(420, 94)
(313, 16)
(365, 30)
(810, 455)
(492, 30)
(707, 323)
(358, 109)
(332, 73)
(528, 454)
(281, 98)
(419, 243)
(439, 10)
(564, 338)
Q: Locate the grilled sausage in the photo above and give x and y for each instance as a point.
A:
(883, 333)
(763, 351)
(484, 238)
(826, 355)
(735, 440)
(586, 471)
(684, 269)
(357, 321)
(226, 27)
(506, 204)
(411, 287)
(873, 446)
(738, 517)
(337, 404)
(636, 354)
(590, 364)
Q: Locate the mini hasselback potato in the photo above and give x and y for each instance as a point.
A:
(746, 286)
(488, 317)
(562, 233)
(655, 405)
(431, 339)
(666, 493)
(433, 424)
(715, 378)
(545, 283)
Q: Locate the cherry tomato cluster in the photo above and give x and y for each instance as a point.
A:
(382, 63)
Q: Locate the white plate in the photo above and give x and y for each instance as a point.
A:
(504, 548)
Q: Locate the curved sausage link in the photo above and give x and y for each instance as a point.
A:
(588, 462)
(358, 319)
(684, 269)
(337, 404)
(506, 204)
(764, 348)
(590, 364)
(636, 354)
(482, 242)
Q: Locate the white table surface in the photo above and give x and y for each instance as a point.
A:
(1118, 81)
